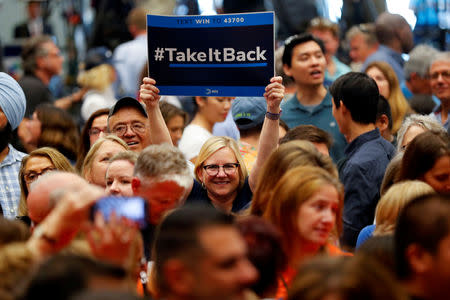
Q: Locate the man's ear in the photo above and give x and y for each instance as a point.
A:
(179, 278)
(382, 123)
(419, 259)
(414, 76)
(343, 107)
(287, 70)
(135, 185)
(39, 61)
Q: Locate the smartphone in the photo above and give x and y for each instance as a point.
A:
(132, 208)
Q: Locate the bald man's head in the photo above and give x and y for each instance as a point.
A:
(45, 190)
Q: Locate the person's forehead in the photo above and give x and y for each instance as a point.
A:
(56, 180)
(322, 33)
(222, 154)
(50, 46)
(122, 163)
(221, 241)
(440, 65)
(37, 160)
(306, 47)
(100, 121)
(127, 114)
(358, 38)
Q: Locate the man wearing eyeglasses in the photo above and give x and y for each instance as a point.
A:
(130, 120)
(440, 87)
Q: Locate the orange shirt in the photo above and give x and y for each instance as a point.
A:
(288, 275)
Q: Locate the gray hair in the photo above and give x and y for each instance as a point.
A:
(426, 122)
(32, 49)
(161, 163)
(441, 56)
(419, 62)
(367, 30)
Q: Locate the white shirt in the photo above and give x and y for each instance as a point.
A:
(129, 60)
(95, 100)
(192, 140)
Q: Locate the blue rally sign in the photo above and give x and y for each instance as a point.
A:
(220, 55)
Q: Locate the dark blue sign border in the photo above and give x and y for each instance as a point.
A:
(194, 79)
(251, 19)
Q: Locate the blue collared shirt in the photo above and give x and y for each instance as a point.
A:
(294, 114)
(437, 115)
(341, 69)
(367, 157)
(393, 58)
(9, 183)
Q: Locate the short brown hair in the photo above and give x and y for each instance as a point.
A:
(138, 18)
(323, 24)
(309, 133)
(58, 130)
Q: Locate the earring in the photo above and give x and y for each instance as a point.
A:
(203, 186)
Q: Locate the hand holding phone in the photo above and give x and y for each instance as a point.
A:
(131, 208)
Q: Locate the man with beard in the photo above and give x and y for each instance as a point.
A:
(12, 110)
(395, 37)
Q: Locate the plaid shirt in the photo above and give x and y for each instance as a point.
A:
(9, 183)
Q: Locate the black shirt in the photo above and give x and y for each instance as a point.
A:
(200, 195)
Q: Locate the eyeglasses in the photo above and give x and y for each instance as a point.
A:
(213, 170)
(445, 75)
(136, 127)
(95, 131)
(32, 176)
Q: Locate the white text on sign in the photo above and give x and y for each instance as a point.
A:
(212, 55)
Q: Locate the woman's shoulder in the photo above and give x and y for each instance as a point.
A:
(198, 194)
(333, 250)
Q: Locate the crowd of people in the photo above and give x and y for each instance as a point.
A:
(334, 184)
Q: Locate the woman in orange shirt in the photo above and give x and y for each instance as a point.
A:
(306, 206)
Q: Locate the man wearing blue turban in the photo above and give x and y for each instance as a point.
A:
(12, 110)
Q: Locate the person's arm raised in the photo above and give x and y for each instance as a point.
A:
(64, 221)
(268, 140)
(149, 94)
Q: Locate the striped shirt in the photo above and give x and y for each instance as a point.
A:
(9, 183)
